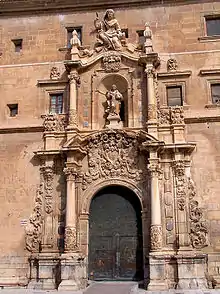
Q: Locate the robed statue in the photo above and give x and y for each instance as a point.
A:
(109, 33)
(114, 99)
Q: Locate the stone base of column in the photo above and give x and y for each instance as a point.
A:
(73, 272)
(157, 272)
(191, 271)
(45, 271)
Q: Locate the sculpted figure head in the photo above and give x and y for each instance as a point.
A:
(109, 14)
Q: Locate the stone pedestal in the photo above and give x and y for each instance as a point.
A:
(45, 272)
(191, 271)
(73, 272)
(114, 121)
(157, 272)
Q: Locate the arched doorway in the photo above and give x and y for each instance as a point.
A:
(115, 235)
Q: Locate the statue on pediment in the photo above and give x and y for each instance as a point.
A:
(109, 34)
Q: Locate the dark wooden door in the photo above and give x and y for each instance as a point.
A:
(115, 235)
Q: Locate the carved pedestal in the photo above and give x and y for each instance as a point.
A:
(73, 272)
(114, 122)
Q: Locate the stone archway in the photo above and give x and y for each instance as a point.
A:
(115, 235)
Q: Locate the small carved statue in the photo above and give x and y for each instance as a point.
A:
(54, 73)
(109, 33)
(148, 44)
(114, 98)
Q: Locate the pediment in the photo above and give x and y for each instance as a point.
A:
(81, 141)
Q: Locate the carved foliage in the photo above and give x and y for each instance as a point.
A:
(179, 169)
(48, 187)
(111, 62)
(156, 237)
(34, 226)
(112, 154)
(54, 123)
(198, 227)
(70, 239)
(171, 115)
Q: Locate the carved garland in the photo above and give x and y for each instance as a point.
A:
(156, 237)
(180, 180)
(35, 223)
(112, 154)
(198, 227)
(48, 187)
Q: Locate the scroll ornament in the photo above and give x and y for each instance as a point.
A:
(198, 226)
(34, 226)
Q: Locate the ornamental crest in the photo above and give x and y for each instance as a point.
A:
(112, 154)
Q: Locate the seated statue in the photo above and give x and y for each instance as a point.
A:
(114, 98)
(109, 33)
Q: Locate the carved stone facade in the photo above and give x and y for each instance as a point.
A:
(116, 130)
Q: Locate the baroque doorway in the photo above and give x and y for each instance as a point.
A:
(115, 235)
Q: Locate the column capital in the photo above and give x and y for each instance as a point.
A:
(70, 173)
(150, 70)
(74, 77)
(154, 167)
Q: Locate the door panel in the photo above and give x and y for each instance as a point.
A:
(114, 235)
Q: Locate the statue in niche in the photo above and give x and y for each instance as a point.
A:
(148, 44)
(114, 99)
(109, 33)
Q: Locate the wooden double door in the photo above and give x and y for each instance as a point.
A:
(115, 235)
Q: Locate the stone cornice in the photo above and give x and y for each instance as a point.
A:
(19, 6)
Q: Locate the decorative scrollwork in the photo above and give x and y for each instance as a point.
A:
(172, 64)
(112, 154)
(54, 73)
(35, 223)
(198, 227)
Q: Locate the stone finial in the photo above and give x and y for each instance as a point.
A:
(148, 44)
(172, 64)
(75, 42)
(54, 73)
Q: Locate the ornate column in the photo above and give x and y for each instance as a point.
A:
(156, 227)
(150, 62)
(156, 256)
(74, 83)
(152, 103)
(70, 229)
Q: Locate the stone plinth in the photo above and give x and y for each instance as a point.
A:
(73, 272)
